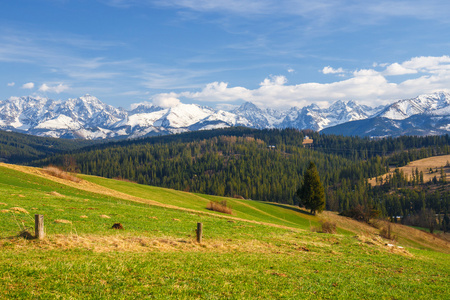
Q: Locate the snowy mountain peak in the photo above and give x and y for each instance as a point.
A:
(88, 117)
(338, 105)
(424, 104)
(247, 106)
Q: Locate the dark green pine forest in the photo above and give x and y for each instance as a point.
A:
(268, 165)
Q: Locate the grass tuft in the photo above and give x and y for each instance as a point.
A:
(220, 207)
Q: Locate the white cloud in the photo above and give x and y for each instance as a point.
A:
(219, 92)
(28, 85)
(330, 70)
(53, 89)
(366, 86)
(11, 84)
(397, 69)
(274, 80)
(166, 100)
(365, 72)
(428, 63)
(290, 70)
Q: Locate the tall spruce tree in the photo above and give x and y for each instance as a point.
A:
(312, 193)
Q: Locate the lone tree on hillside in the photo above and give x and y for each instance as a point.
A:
(311, 192)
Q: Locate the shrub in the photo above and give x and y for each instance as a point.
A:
(325, 227)
(386, 231)
(328, 227)
(361, 213)
(220, 207)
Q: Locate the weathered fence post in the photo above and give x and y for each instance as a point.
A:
(39, 226)
(199, 232)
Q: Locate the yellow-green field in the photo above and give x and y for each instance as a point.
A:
(262, 250)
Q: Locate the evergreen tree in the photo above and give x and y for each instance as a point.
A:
(446, 223)
(311, 193)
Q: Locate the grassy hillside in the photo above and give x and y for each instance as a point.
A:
(262, 250)
(422, 165)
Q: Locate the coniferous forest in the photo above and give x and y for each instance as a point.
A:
(268, 165)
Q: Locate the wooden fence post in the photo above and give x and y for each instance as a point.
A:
(39, 226)
(199, 232)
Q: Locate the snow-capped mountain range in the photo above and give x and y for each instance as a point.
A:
(88, 118)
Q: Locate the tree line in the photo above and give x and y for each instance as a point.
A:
(268, 165)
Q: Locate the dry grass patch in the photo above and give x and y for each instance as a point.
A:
(5, 211)
(84, 216)
(379, 241)
(423, 165)
(142, 244)
(1, 203)
(54, 171)
(220, 207)
(348, 223)
(55, 193)
(19, 209)
(63, 221)
(405, 235)
(105, 217)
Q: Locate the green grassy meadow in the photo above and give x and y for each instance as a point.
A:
(156, 255)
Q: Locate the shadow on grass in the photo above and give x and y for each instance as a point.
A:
(23, 234)
(26, 235)
(296, 209)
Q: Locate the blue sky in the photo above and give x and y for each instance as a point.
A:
(274, 53)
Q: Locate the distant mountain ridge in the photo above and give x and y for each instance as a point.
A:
(87, 117)
(423, 115)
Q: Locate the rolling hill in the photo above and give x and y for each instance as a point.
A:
(262, 250)
(423, 165)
